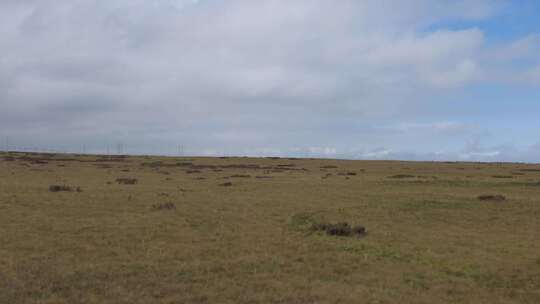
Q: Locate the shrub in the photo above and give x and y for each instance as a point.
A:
(241, 176)
(126, 181)
(339, 229)
(39, 162)
(155, 164)
(402, 176)
(496, 198)
(164, 206)
(286, 165)
(359, 230)
(59, 188)
(347, 173)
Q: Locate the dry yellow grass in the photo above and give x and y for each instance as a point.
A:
(178, 235)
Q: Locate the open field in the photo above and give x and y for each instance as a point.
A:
(238, 230)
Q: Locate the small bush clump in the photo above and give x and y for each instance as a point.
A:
(126, 181)
(155, 164)
(496, 198)
(347, 173)
(286, 165)
(241, 176)
(328, 167)
(227, 184)
(164, 206)
(59, 188)
(402, 176)
(39, 162)
(339, 229)
(103, 166)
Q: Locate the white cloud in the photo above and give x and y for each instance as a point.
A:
(269, 73)
(532, 76)
(526, 47)
(479, 155)
(437, 126)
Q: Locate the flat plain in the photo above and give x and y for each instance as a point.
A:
(140, 229)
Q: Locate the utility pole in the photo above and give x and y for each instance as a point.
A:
(181, 150)
(120, 148)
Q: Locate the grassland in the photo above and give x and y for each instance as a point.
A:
(238, 230)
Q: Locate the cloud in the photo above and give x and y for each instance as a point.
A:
(436, 126)
(270, 75)
(522, 48)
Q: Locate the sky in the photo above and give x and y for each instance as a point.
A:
(452, 80)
